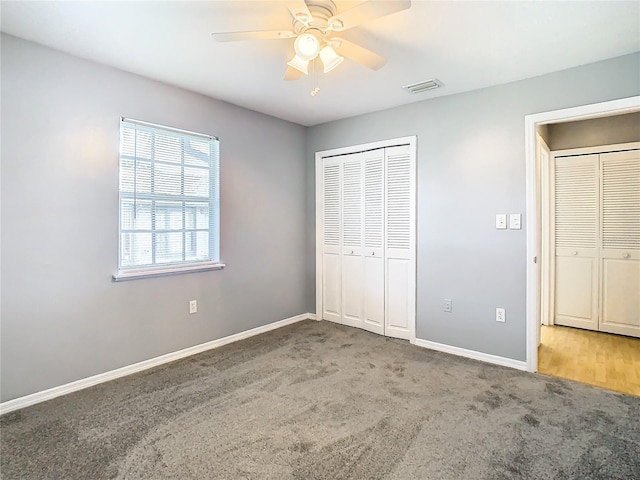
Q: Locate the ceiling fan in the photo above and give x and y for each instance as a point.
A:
(315, 26)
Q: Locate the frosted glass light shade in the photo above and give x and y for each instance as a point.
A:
(306, 46)
(299, 64)
(330, 59)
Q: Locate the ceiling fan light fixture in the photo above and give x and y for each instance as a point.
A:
(306, 46)
(299, 64)
(330, 59)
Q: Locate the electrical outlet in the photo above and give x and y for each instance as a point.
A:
(193, 306)
(501, 315)
(447, 305)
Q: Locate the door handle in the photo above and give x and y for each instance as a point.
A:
(574, 253)
(373, 253)
(625, 255)
(351, 252)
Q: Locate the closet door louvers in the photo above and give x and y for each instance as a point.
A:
(576, 241)
(332, 241)
(620, 305)
(368, 240)
(400, 242)
(374, 240)
(352, 257)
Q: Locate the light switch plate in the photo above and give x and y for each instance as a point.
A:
(501, 221)
(515, 221)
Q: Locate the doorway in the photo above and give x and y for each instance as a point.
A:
(533, 123)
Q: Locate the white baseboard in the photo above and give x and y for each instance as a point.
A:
(463, 352)
(312, 316)
(81, 384)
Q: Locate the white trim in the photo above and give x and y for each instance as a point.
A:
(614, 107)
(544, 240)
(81, 384)
(463, 352)
(161, 272)
(363, 147)
(319, 234)
(168, 129)
(616, 147)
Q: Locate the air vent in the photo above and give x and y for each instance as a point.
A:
(423, 86)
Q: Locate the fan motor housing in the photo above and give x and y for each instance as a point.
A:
(321, 11)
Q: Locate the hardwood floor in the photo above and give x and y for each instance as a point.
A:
(601, 359)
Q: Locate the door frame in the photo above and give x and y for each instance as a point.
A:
(544, 200)
(320, 155)
(584, 112)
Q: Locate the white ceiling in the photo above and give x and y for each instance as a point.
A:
(466, 45)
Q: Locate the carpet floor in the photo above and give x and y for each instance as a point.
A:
(316, 400)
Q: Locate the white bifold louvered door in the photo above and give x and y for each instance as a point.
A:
(597, 242)
(352, 230)
(576, 234)
(400, 245)
(368, 231)
(620, 254)
(374, 278)
(332, 240)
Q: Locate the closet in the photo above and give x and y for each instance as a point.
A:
(595, 225)
(366, 237)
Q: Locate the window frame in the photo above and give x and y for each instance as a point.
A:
(213, 200)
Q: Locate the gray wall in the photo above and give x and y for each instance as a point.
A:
(63, 318)
(471, 165)
(594, 132)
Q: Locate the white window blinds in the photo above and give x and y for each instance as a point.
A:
(169, 197)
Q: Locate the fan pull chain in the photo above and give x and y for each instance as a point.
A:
(315, 89)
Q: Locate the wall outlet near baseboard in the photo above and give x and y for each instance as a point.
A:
(501, 315)
(193, 306)
(448, 305)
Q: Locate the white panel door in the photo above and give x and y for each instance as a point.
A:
(331, 237)
(400, 207)
(576, 186)
(353, 266)
(620, 306)
(374, 275)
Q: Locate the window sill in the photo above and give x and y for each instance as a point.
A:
(161, 272)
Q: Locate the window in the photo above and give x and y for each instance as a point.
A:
(169, 201)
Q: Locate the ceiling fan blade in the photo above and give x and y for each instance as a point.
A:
(358, 54)
(364, 12)
(299, 10)
(292, 74)
(257, 35)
